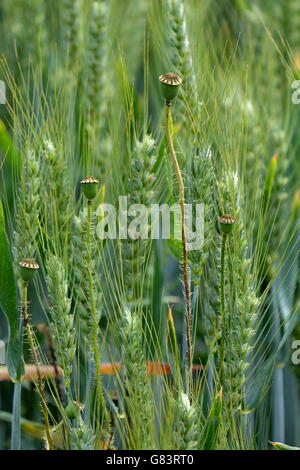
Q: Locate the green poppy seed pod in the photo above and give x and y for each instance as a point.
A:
(89, 187)
(226, 223)
(72, 410)
(28, 268)
(170, 83)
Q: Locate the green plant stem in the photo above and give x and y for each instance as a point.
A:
(180, 182)
(39, 383)
(222, 280)
(16, 411)
(222, 296)
(16, 418)
(95, 345)
(53, 362)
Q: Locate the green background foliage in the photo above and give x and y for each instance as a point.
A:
(83, 98)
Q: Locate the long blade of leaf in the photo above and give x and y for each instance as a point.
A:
(8, 303)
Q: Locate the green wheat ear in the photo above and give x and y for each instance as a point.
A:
(143, 187)
(62, 322)
(182, 62)
(226, 224)
(136, 380)
(27, 207)
(56, 190)
(96, 63)
(186, 423)
(82, 437)
(70, 26)
(200, 190)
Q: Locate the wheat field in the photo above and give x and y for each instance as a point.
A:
(149, 225)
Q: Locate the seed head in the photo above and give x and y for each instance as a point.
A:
(226, 223)
(90, 187)
(72, 410)
(28, 268)
(170, 83)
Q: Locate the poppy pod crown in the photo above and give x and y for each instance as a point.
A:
(226, 223)
(170, 83)
(89, 187)
(28, 268)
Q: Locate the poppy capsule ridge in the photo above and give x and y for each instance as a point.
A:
(170, 83)
(28, 268)
(226, 223)
(90, 187)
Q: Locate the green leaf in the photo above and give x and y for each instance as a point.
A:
(286, 283)
(210, 432)
(269, 182)
(16, 418)
(157, 311)
(281, 446)
(12, 156)
(8, 303)
(259, 383)
(30, 427)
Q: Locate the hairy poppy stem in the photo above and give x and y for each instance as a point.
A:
(39, 383)
(188, 315)
(95, 345)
